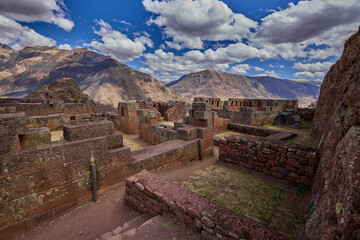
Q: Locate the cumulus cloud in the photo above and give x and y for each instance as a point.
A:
(268, 73)
(196, 60)
(308, 19)
(65, 46)
(18, 37)
(313, 67)
(146, 70)
(292, 32)
(307, 74)
(243, 68)
(50, 11)
(197, 21)
(118, 44)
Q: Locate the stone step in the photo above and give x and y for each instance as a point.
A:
(131, 224)
(165, 227)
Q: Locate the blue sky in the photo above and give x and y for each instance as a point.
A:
(167, 39)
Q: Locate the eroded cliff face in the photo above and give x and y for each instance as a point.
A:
(335, 210)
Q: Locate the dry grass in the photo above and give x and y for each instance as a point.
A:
(272, 205)
(56, 135)
(134, 142)
(227, 133)
(303, 135)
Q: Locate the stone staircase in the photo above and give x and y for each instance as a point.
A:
(164, 227)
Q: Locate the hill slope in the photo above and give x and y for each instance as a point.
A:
(103, 78)
(211, 83)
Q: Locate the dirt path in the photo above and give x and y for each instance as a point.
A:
(93, 219)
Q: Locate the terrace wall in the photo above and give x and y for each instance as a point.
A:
(151, 194)
(280, 159)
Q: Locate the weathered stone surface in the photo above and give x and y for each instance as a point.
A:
(88, 130)
(335, 211)
(211, 222)
(277, 158)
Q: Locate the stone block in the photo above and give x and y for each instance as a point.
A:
(202, 115)
(115, 140)
(35, 137)
(88, 130)
(13, 124)
(201, 106)
(187, 133)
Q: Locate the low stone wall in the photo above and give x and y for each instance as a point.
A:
(251, 130)
(57, 121)
(35, 137)
(164, 155)
(220, 124)
(47, 108)
(176, 112)
(88, 130)
(148, 193)
(306, 114)
(280, 159)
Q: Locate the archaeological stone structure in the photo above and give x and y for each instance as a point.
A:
(254, 112)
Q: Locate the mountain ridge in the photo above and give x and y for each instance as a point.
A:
(239, 86)
(103, 78)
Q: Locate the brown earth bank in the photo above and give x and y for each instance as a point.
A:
(335, 207)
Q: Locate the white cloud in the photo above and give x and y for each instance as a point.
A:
(18, 37)
(117, 44)
(50, 11)
(308, 20)
(293, 32)
(258, 69)
(240, 69)
(65, 46)
(190, 22)
(313, 67)
(307, 74)
(243, 68)
(146, 70)
(268, 73)
(195, 60)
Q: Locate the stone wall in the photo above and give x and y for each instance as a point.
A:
(306, 114)
(41, 183)
(50, 107)
(148, 193)
(280, 159)
(127, 117)
(176, 112)
(57, 121)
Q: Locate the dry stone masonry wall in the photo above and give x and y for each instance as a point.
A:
(280, 159)
(148, 193)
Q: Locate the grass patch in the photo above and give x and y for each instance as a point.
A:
(251, 196)
(227, 133)
(303, 135)
(56, 135)
(134, 142)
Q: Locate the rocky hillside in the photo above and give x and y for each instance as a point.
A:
(63, 89)
(335, 209)
(211, 83)
(103, 78)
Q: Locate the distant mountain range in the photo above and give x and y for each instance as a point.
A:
(108, 81)
(103, 78)
(212, 83)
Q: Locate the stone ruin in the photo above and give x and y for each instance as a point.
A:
(42, 180)
(255, 112)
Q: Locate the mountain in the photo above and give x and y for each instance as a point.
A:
(65, 89)
(103, 78)
(212, 83)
